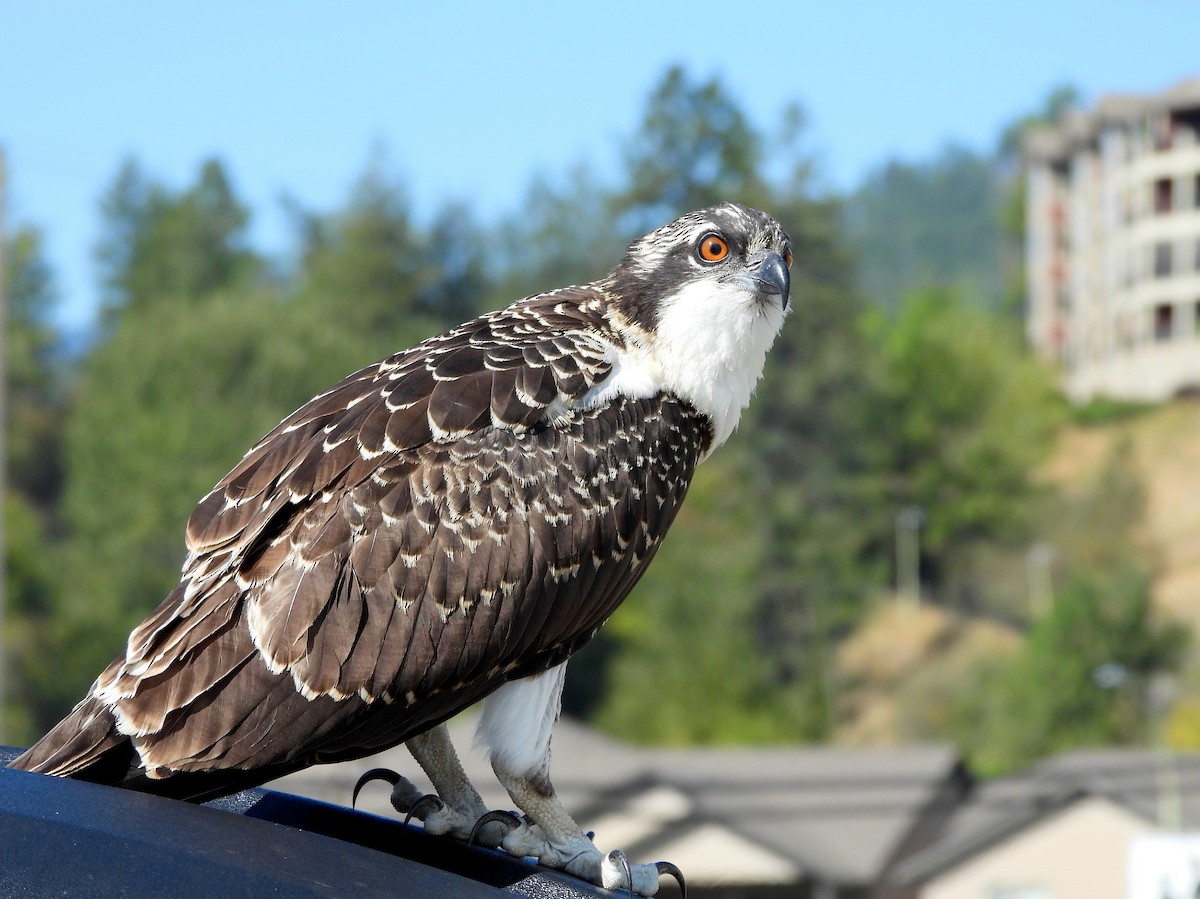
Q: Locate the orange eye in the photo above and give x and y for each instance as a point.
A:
(787, 257)
(712, 248)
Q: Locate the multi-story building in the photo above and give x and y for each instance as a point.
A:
(1113, 245)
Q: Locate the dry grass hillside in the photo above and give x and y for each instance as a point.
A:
(1164, 447)
(897, 673)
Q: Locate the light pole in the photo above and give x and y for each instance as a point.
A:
(908, 556)
(1041, 589)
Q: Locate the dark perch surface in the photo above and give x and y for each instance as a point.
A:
(64, 837)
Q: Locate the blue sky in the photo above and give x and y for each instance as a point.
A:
(469, 100)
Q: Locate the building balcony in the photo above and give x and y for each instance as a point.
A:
(1177, 225)
(1176, 163)
(1176, 288)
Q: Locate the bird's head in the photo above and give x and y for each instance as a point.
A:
(702, 300)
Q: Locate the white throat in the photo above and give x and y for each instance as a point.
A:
(708, 349)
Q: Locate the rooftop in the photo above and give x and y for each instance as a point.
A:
(1161, 788)
(724, 815)
(1050, 142)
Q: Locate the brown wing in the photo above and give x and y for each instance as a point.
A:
(401, 545)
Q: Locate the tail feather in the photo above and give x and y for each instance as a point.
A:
(84, 745)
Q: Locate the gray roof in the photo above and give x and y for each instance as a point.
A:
(833, 814)
(840, 812)
(1159, 787)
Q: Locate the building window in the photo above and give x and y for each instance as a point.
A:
(1164, 321)
(1163, 188)
(1196, 191)
(1196, 260)
(1187, 126)
(1162, 260)
(1196, 317)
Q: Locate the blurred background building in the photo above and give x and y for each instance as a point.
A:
(1113, 245)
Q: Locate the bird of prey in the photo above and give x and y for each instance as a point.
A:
(445, 526)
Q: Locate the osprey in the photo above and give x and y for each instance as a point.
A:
(446, 526)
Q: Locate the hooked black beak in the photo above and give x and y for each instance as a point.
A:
(772, 277)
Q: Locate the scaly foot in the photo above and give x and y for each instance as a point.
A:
(438, 817)
(578, 856)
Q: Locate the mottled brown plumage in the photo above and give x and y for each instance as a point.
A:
(449, 524)
(422, 503)
(446, 525)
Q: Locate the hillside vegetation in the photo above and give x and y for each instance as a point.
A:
(1163, 448)
(917, 673)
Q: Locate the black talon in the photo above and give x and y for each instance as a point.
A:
(673, 870)
(385, 774)
(619, 857)
(511, 821)
(434, 802)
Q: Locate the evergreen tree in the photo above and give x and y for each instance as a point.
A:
(33, 377)
(33, 415)
(813, 467)
(380, 279)
(932, 224)
(1083, 677)
(968, 416)
(694, 148)
(552, 242)
(163, 247)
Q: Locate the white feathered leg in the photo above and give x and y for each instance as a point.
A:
(516, 726)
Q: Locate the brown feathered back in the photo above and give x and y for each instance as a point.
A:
(437, 523)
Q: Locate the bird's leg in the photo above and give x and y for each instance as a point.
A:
(435, 754)
(558, 842)
(455, 808)
(457, 805)
(516, 726)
